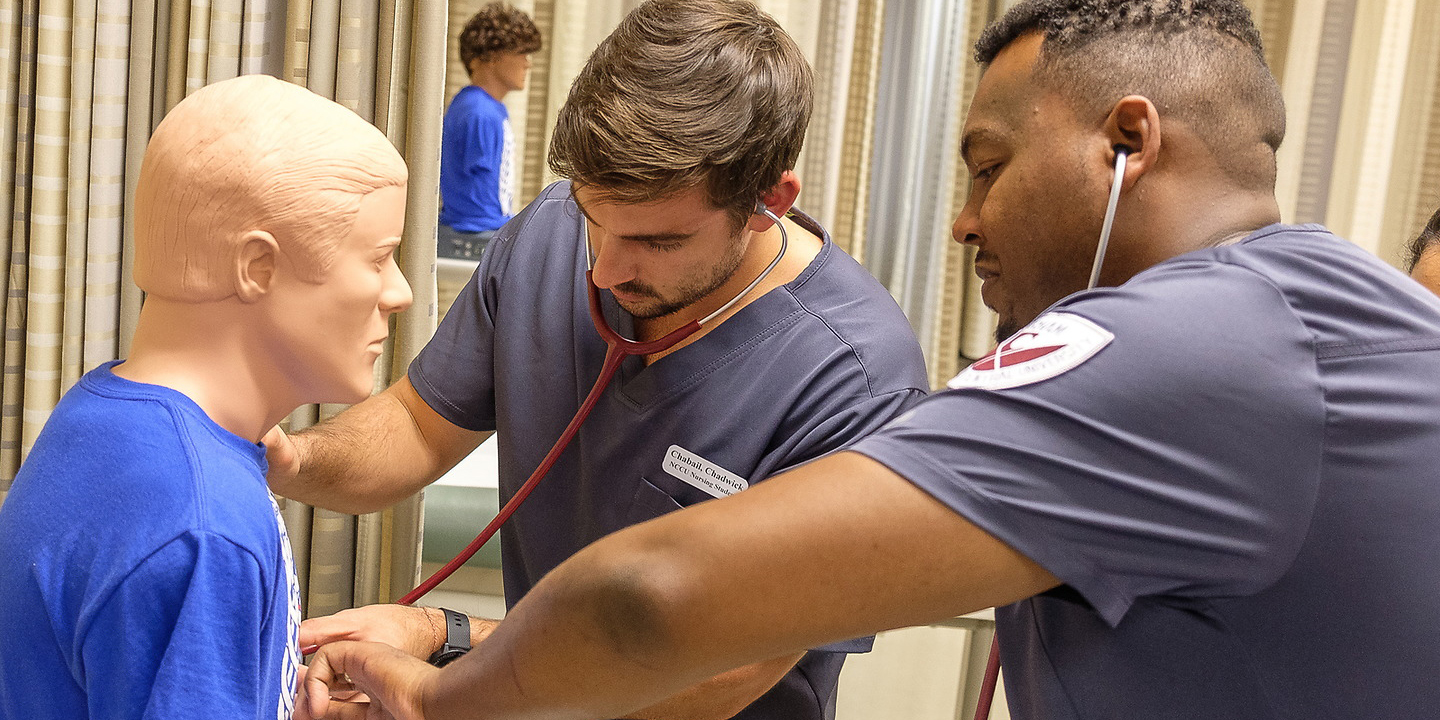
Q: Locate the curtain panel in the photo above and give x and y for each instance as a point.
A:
(84, 85)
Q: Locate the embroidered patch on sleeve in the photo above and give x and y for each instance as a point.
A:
(1051, 345)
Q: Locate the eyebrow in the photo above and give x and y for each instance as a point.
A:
(648, 237)
(978, 136)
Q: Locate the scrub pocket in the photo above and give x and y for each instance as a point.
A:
(652, 501)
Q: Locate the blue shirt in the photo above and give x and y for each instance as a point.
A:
(802, 370)
(144, 570)
(476, 180)
(1238, 490)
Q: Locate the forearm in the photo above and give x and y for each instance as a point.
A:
(348, 464)
(541, 661)
(837, 549)
(606, 635)
(723, 696)
(374, 454)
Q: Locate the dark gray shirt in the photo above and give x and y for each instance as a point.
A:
(803, 370)
(1238, 487)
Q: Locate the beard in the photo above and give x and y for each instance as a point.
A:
(690, 291)
(1005, 329)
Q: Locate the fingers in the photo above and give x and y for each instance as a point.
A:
(313, 701)
(280, 456)
(391, 680)
(328, 629)
(412, 630)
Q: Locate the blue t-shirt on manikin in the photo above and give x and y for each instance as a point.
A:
(144, 569)
(477, 185)
(1230, 463)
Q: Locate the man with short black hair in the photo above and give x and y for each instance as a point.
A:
(1203, 489)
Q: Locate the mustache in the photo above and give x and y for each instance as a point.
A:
(985, 256)
(635, 287)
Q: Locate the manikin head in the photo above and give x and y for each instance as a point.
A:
(267, 207)
(1064, 84)
(682, 119)
(1425, 255)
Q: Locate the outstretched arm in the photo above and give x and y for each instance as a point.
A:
(839, 548)
(370, 456)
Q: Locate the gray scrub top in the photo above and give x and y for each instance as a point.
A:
(804, 370)
(1238, 488)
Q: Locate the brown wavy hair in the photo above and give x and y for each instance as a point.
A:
(498, 28)
(684, 94)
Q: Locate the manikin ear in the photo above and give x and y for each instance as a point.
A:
(779, 199)
(1133, 124)
(255, 265)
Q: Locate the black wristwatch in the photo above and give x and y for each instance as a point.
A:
(457, 638)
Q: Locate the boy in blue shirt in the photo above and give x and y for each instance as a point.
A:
(144, 567)
(477, 148)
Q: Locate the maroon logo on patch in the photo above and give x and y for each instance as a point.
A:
(1007, 355)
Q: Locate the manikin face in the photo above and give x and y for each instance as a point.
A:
(1036, 203)
(327, 335)
(663, 256)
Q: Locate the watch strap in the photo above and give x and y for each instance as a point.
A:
(457, 638)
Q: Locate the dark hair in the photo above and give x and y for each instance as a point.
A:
(497, 28)
(687, 93)
(1427, 240)
(1200, 61)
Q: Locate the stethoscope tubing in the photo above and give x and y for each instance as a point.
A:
(617, 349)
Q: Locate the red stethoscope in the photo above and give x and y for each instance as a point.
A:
(618, 348)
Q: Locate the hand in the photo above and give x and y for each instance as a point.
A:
(281, 456)
(392, 684)
(418, 632)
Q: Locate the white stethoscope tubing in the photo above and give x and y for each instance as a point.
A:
(1120, 155)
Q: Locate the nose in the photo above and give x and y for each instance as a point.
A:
(395, 294)
(614, 263)
(966, 229)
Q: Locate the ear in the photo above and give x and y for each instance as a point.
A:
(778, 199)
(255, 265)
(1134, 124)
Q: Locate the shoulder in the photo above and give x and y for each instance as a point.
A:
(1343, 293)
(143, 455)
(548, 229)
(847, 309)
(1188, 333)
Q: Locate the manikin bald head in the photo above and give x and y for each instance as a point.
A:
(251, 155)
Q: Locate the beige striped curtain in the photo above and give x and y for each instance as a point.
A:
(1362, 85)
(84, 85)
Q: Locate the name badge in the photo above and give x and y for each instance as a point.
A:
(702, 474)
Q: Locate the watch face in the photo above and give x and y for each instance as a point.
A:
(445, 657)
